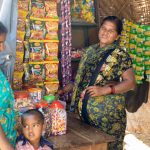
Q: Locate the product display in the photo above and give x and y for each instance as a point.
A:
(37, 44)
(83, 11)
(135, 39)
(36, 66)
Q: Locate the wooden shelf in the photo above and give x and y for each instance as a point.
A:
(86, 24)
(75, 59)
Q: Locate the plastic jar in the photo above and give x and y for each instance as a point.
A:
(21, 99)
(58, 117)
(35, 94)
(43, 107)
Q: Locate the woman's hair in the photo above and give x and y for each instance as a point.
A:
(116, 21)
(3, 29)
(34, 112)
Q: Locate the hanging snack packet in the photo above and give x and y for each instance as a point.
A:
(37, 29)
(51, 70)
(23, 5)
(51, 8)
(17, 80)
(37, 52)
(51, 26)
(51, 87)
(51, 51)
(52, 35)
(37, 25)
(19, 46)
(21, 25)
(19, 62)
(20, 35)
(37, 72)
(37, 35)
(22, 14)
(37, 9)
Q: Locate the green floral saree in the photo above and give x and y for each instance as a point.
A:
(105, 112)
(7, 115)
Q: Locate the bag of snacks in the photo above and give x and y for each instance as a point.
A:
(37, 52)
(37, 72)
(37, 9)
(51, 70)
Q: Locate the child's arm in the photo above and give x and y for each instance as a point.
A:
(4, 143)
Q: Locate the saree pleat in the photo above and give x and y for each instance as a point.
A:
(7, 115)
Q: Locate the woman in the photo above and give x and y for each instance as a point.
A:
(7, 115)
(104, 74)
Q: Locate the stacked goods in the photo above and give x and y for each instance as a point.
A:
(36, 67)
(23, 9)
(136, 40)
(37, 45)
(124, 40)
(147, 51)
(83, 10)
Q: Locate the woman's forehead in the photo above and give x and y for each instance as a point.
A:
(109, 24)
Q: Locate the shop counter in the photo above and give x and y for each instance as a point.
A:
(81, 136)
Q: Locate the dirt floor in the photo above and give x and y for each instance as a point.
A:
(138, 128)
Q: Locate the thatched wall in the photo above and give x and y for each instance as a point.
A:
(134, 10)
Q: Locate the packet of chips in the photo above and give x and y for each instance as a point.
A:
(51, 51)
(20, 35)
(23, 5)
(37, 9)
(51, 71)
(19, 46)
(17, 80)
(37, 72)
(51, 8)
(51, 87)
(37, 52)
(22, 14)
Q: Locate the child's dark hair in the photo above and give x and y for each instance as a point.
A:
(116, 21)
(3, 29)
(35, 112)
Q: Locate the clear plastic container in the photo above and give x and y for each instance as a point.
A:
(43, 107)
(58, 117)
(22, 100)
(35, 94)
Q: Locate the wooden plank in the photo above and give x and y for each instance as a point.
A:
(87, 132)
(81, 136)
(68, 141)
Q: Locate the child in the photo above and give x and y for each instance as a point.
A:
(32, 126)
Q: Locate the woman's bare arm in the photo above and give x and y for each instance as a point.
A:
(127, 83)
(4, 143)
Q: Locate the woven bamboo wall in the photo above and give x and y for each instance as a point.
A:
(133, 10)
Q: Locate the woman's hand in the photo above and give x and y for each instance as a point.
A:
(4, 143)
(98, 90)
(66, 89)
